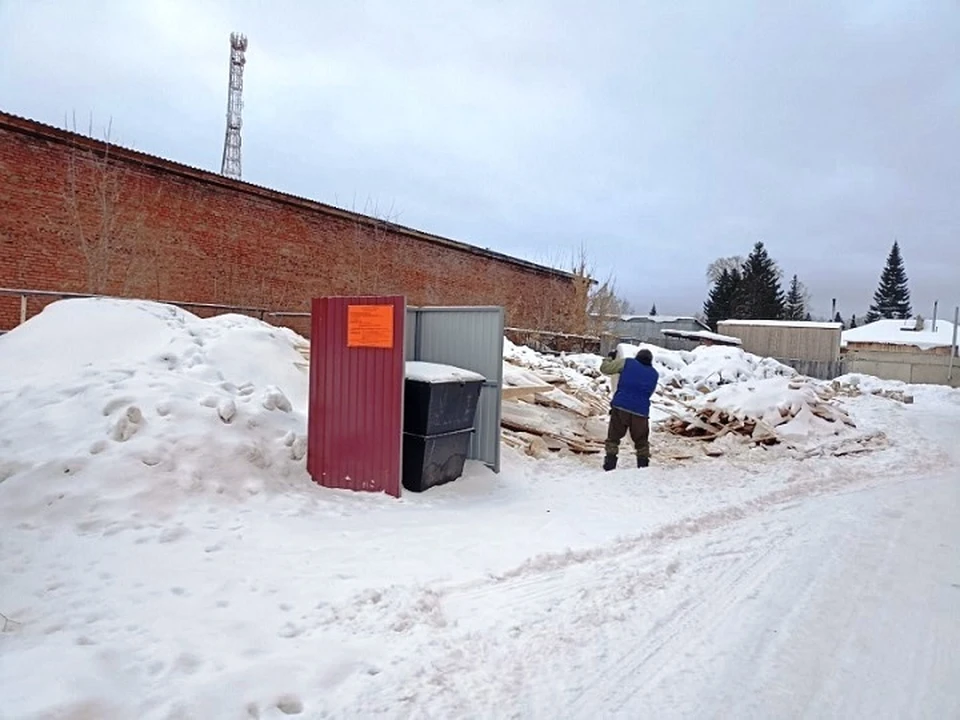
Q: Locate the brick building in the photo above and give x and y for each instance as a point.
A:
(78, 215)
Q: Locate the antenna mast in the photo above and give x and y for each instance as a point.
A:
(230, 165)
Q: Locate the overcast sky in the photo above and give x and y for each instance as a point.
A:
(661, 135)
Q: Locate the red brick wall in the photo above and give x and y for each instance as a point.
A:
(157, 230)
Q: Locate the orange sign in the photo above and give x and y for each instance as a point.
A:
(370, 326)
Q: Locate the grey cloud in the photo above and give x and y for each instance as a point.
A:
(660, 135)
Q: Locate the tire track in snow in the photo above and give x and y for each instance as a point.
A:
(498, 637)
(617, 681)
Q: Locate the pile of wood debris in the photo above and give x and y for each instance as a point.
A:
(561, 405)
(717, 414)
(853, 390)
(554, 409)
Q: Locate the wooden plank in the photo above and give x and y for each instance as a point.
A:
(515, 393)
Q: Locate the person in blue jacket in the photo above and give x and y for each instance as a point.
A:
(630, 407)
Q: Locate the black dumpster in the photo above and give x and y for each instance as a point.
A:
(440, 404)
(439, 399)
(435, 459)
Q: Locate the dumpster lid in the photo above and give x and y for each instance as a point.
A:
(435, 373)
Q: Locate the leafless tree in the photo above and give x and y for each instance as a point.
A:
(598, 303)
(716, 268)
(105, 213)
(372, 233)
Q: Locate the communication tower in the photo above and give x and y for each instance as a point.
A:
(230, 165)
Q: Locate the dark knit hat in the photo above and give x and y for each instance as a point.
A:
(645, 357)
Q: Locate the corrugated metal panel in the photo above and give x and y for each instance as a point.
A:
(355, 423)
(470, 338)
(410, 334)
(796, 342)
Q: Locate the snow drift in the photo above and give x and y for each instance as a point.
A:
(94, 392)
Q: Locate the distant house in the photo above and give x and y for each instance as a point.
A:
(901, 336)
(787, 339)
(911, 351)
(811, 348)
(649, 329)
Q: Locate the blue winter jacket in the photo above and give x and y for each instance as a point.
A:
(636, 385)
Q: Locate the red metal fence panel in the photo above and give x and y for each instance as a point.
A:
(355, 421)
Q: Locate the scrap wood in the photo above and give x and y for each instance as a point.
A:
(557, 398)
(523, 391)
(558, 428)
(853, 390)
(851, 446)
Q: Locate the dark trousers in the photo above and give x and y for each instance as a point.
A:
(622, 422)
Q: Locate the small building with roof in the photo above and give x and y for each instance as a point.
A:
(916, 351)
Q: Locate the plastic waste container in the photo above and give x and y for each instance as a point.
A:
(440, 405)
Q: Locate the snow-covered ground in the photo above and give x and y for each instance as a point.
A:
(163, 555)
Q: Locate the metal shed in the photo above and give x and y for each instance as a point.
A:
(636, 329)
(812, 348)
(357, 352)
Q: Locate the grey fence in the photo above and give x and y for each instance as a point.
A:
(470, 338)
(818, 369)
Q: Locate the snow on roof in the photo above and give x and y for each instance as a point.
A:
(902, 332)
(703, 335)
(785, 323)
(658, 318)
(436, 373)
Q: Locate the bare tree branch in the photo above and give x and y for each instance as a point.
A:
(105, 218)
(7, 622)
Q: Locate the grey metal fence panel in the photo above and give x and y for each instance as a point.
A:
(470, 338)
(410, 334)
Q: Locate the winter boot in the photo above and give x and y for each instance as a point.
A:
(610, 463)
(643, 462)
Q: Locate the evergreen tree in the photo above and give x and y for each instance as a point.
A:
(892, 298)
(795, 306)
(853, 322)
(762, 296)
(838, 319)
(724, 301)
(653, 310)
(808, 317)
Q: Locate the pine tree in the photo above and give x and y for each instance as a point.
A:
(853, 322)
(653, 310)
(808, 317)
(838, 318)
(795, 306)
(892, 298)
(724, 301)
(762, 295)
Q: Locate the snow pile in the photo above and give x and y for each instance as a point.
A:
(856, 384)
(779, 409)
(558, 404)
(708, 367)
(103, 400)
(580, 371)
